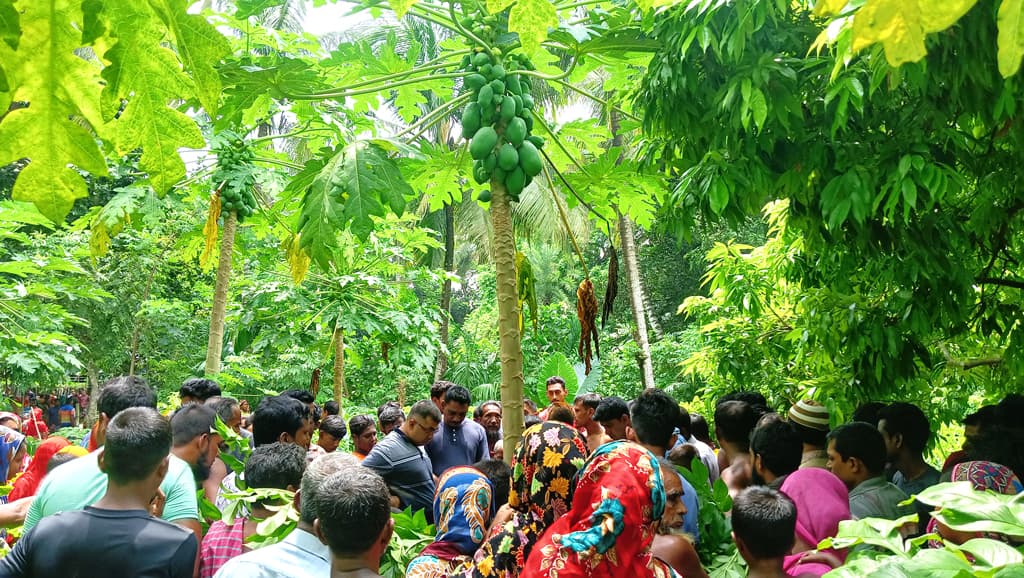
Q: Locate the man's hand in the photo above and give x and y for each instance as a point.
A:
(156, 505)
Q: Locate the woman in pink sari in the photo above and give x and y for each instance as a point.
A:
(822, 501)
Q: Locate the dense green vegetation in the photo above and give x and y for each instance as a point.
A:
(807, 198)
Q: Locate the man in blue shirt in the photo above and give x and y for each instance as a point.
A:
(399, 460)
(459, 442)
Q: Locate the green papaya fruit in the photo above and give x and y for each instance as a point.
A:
(466, 62)
(529, 123)
(498, 86)
(486, 115)
(527, 101)
(537, 140)
(512, 84)
(475, 82)
(498, 72)
(491, 161)
(485, 70)
(470, 120)
(508, 109)
(515, 132)
(519, 104)
(508, 158)
(499, 175)
(486, 96)
(483, 143)
(480, 173)
(480, 59)
(515, 181)
(485, 196)
(529, 159)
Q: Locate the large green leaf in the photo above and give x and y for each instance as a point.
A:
(371, 179)
(62, 89)
(901, 25)
(558, 364)
(10, 29)
(143, 79)
(200, 47)
(1011, 36)
(321, 215)
(530, 19)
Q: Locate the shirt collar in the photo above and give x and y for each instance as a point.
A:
(307, 542)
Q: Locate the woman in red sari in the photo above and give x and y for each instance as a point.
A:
(28, 483)
(617, 504)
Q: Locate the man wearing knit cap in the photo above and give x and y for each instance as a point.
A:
(810, 419)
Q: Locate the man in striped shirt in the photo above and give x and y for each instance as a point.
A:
(401, 461)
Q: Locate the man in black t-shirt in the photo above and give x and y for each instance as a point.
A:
(117, 536)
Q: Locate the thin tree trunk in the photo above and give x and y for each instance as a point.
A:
(636, 298)
(94, 392)
(137, 329)
(339, 364)
(401, 391)
(220, 295)
(510, 348)
(441, 366)
(652, 319)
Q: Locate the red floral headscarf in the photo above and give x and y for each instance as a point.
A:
(618, 500)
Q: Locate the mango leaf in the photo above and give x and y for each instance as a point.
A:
(531, 19)
(61, 89)
(10, 28)
(143, 79)
(1011, 36)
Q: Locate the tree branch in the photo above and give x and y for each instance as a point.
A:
(1015, 283)
(966, 364)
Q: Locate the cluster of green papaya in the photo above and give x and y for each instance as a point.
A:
(498, 122)
(235, 170)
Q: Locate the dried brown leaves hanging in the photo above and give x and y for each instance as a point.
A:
(586, 310)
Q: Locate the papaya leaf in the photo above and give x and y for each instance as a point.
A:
(531, 19)
(370, 180)
(321, 216)
(495, 6)
(143, 79)
(200, 47)
(61, 89)
(10, 27)
(401, 6)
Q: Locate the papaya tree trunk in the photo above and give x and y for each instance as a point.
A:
(137, 327)
(339, 364)
(220, 295)
(636, 298)
(441, 366)
(510, 349)
(94, 392)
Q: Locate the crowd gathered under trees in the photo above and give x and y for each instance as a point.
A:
(600, 486)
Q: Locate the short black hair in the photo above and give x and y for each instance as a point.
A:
(123, 392)
(276, 415)
(425, 408)
(981, 418)
(457, 394)
(531, 420)
(438, 388)
(352, 507)
(684, 422)
(556, 379)
(654, 416)
(199, 388)
(765, 520)
(224, 406)
(389, 415)
(734, 420)
(611, 407)
(277, 465)
(779, 446)
(867, 412)
(191, 421)
(500, 475)
(300, 394)
(906, 419)
(359, 424)
(699, 426)
(332, 408)
(334, 425)
(530, 404)
(754, 398)
(589, 400)
(138, 440)
(863, 441)
(59, 459)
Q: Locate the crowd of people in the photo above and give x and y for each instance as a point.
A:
(594, 488)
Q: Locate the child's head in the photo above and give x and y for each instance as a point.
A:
(763, 523)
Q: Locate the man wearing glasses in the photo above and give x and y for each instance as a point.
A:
(399, 460)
